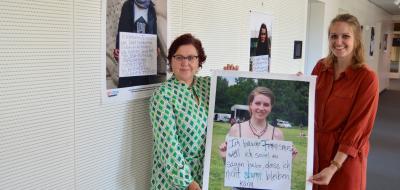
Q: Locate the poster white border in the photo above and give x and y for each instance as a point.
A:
(128, 93)
(245, 74)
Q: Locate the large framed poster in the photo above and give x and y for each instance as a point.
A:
(134, 48)
(260, 131)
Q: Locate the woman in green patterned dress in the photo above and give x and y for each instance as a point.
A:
(178, 113)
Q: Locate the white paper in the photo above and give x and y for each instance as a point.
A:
(260, 63)
(137, 54)
(255, 163)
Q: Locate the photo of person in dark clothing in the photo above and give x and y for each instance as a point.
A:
(260, 41)
(140, 17)
(263, 43)
(137, 16)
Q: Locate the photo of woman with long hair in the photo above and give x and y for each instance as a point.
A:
(263, 43)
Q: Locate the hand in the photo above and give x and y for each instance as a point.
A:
(294, 152)
(194, 186)
(231, 67)
(222, 150)
(323, 177)
(116, 54)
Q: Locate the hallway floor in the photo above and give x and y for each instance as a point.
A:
(384, 158)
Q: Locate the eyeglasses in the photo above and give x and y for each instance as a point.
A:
(263, 33)
(190, 58)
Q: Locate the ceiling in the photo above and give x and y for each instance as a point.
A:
(387, 5)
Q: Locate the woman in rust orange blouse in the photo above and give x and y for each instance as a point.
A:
(346, 105)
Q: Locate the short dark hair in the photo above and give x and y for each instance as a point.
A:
(186, 39)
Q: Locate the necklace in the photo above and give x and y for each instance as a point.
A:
(255, 132)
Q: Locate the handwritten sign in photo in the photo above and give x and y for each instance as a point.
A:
(261, 164)
(138, 54)
(260, 63)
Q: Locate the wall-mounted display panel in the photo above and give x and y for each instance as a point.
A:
(134, 48)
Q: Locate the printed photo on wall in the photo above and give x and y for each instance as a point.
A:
(135, 37)
(372, 42)
(260, 131)
(385, 38)
(260, 41)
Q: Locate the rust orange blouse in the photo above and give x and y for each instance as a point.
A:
(344, 116)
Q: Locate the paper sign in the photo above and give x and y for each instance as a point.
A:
(261, 164)
(137, 54)
(260, 63)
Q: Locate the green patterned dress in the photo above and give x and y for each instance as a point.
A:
(179, 132)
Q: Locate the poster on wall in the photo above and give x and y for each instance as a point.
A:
(135, 48)
(385, 38)
(372, 42)
(260, 41)
(260, 131)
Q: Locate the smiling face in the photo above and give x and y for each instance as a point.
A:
(260, 107)
(341, 40)
(183, 69)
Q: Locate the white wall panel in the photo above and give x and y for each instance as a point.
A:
(36, 95)
(113, 141)
(224, 28)
(174, 20)
(217, 24)
(291, 19)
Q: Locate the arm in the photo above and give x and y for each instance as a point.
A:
(166, 141)
(124, 22)
(123, 26)
(325, 176)
(358, 128)
(278, 135)
(233, 132)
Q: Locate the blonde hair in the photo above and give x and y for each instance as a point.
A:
(358, 50)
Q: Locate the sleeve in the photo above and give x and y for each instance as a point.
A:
(123, 24)
(155, 21)
(362, 116)
(166, 141)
